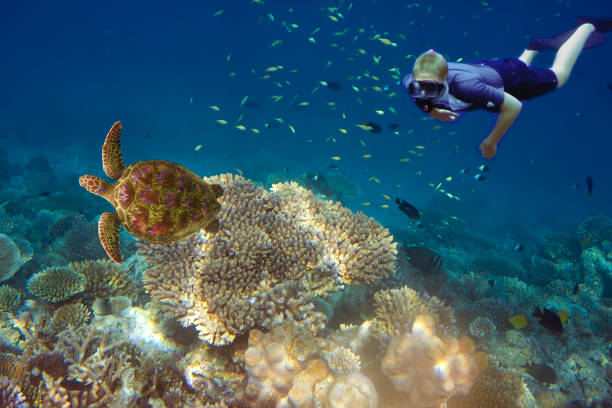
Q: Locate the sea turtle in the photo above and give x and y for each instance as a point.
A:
(155, 200)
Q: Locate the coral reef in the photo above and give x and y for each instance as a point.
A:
(104, 279)
(559, 246)
(10, 257)
(595, 230)
(275, 251)
(10, 395)
(74, 314)
(498, 266)
(397, 309)
(482, 327)
(342, 362)
(10, 299)
(430, 369)
(80, 241)
(55, 284)
(495, 388)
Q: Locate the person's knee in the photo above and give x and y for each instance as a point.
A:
(562, 76)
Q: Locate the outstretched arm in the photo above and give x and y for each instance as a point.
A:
(509, 110)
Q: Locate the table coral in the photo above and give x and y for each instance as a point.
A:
(56, 283)
(429, 369)
(274, 252)
(104, 279)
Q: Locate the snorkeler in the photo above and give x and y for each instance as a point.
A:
(445, 89)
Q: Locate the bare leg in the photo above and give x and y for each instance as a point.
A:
(527, 56)
(568, 53)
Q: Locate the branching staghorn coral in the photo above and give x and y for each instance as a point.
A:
(74, 314)
(104, 279)
(274, 252)
(10, 395)
(10, 299)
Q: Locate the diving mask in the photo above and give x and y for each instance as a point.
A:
(425, 89)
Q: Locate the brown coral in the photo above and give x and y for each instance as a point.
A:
(397, 309)
(104, 279)
(56, 283)
(274, 252)
(10, 257)
(10, 299)
(74, 314)
(495, 388)
(10, 395)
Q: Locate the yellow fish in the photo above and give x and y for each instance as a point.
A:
(343, 131)
(333, 18)
(376, 88)
(240, 127)
(222, 121)
(366, 203)
(419, 147)
(564, 316)
(380, 112)
(404, 160)
(367, 156)
(255, 130)
(312, 40)
(386, 197)
(362, 143)
(271, 69)
(198, 147)
(449, 178)
(292, 129)
(336, 158)
(385, 41)
(215, 108)
(303, 104)
(519, 321)
(384, 206)
(364, 127)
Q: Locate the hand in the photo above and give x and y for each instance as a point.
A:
(444, 115)
(488, 148)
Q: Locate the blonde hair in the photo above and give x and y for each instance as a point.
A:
(430, 62)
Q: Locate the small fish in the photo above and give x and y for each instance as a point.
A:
(366, 156)
(364, 127)
(386, 197)
(367, 203)
(407, 208)
(222, 121)
(484, 168)
(479, 177)
(374, 127)
(217, 13)
(550, 320)
(423, 259)
(343, 131)
(380, 112)
(465, 170)
(292, 129)
(384, 206)
(336, 158)
(589, 181)
(449, 178)
(215, 108)
(331, 85)
(198, 148)
(255, 130)
(519, 321)
(240, 127)
(519, 247)
(404, 160)
(544, 373)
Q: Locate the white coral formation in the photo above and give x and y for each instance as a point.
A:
(430, 369)
(274, 252)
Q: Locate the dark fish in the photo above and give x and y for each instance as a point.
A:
(393, 126)
(407, 208)
(590, 184)
(484, 168)
(286, 169)
(251, 104)
(332, 85)
(423, 259)
(419, 225)
(543, 373)
(479, 177)
(519, 247)
(550, 320)
(44, 194)
(375, 127)
(491, 282)
(576, 289)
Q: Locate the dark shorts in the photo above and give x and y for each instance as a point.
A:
(522, 81)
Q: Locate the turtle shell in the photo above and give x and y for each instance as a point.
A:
(160, 201)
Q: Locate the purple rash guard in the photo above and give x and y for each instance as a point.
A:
(469, 87)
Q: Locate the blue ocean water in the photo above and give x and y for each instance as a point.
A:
(73, 69)
(170, 71)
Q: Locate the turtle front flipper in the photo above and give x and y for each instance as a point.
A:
(112, 161)
(96, 186)
(108, 231)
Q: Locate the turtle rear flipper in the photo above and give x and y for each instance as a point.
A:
(108, 231)
(112, 160)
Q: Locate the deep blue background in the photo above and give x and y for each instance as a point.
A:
(70, 69)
